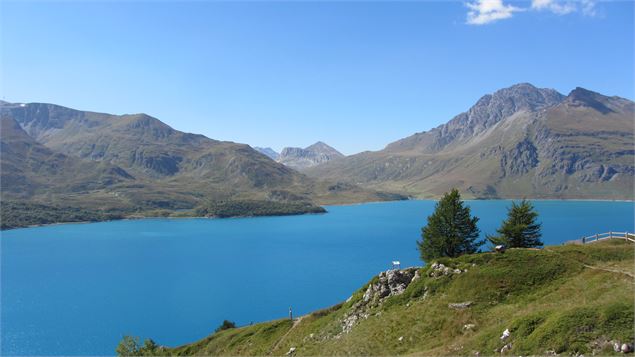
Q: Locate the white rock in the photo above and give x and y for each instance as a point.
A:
(506, 334)
(506, 348)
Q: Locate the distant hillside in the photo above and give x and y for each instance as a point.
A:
(131, 164)
(316, 154)
(520, 141)
(271, 153)
(29, 168)
(566, 300)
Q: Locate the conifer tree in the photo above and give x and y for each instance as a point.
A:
(520, 229)
(451, 230)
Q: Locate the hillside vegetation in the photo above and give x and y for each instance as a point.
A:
(566, 300)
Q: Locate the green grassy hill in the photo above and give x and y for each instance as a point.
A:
(563, 299)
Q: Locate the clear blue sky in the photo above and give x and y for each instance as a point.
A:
(356, 75)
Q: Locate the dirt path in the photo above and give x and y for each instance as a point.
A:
(296, 322)
(610, 270)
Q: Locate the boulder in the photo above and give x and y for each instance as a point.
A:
(460, 305)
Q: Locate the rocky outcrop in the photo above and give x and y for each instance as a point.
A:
(393, 283)
(389, 283)
(519, 160)
(438, 270)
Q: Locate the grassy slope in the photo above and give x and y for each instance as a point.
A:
(547, 298)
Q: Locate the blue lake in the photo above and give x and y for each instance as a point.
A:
(75, 289)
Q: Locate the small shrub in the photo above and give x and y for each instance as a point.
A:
(226, 325)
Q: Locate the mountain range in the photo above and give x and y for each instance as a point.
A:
(520, 141)
(134, 163)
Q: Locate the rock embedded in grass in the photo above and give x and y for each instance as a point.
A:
(460, 305)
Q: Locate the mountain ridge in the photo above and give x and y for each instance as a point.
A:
(135, 163)
(520, 141)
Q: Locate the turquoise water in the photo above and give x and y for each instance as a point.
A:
(77, 288)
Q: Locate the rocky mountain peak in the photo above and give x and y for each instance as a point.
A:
(494, 107)
(322, 148)
(312, 155)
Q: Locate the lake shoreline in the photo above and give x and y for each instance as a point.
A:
(486, 199)
(133, 218)
(159, 217)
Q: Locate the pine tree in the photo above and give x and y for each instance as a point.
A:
(520, 229)
(451, 230)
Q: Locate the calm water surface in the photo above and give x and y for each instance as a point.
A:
(77, 288)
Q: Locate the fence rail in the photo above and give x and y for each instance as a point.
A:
(630, 237)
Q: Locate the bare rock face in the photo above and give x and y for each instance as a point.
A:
(390, 283)
(520, 160)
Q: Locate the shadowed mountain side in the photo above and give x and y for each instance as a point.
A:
(29, 168)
